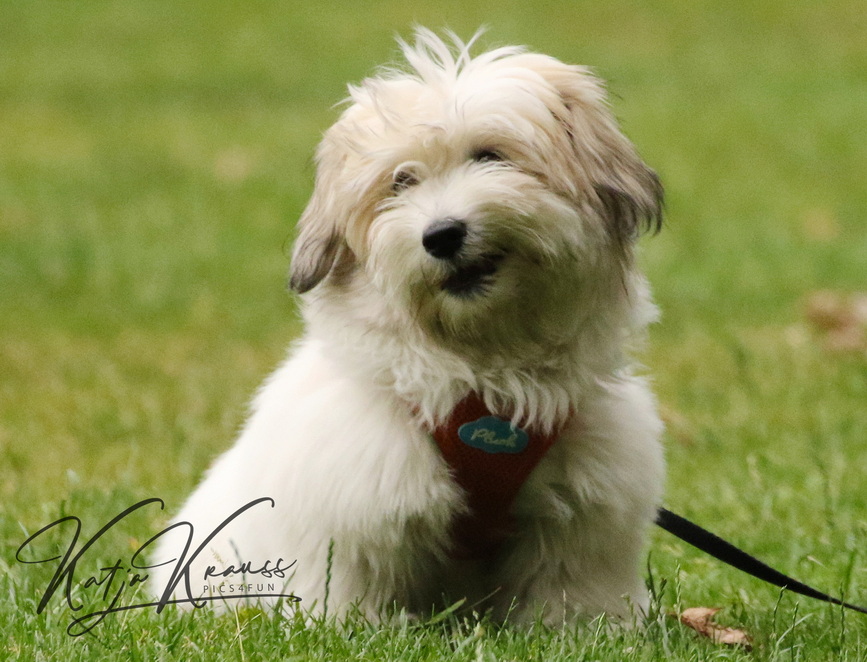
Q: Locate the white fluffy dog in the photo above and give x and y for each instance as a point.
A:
(470, 238)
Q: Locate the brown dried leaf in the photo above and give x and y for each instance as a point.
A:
(826, 309)
(846, 339)
(859, 307)
(839, 319)
(700, 619)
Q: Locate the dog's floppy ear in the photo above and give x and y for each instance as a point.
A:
(629, 213)
(626, 193)
(320, 245)
(316, 251)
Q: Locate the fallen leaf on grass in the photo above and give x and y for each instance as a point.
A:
(700, 619)
(840, 319)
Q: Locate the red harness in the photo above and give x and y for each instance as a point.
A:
(490, 459)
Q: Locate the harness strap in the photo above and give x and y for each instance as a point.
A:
(727, 553)
(490, 458)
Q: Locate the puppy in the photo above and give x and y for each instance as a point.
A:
(470, 293)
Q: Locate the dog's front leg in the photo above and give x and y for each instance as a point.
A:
(582, 566)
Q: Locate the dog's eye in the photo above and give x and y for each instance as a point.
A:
(403, 180)
(487, 156)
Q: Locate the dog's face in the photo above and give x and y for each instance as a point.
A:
(485, 199)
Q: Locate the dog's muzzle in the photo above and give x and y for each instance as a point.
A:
(445, 240)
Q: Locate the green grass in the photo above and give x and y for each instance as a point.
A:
(153, 157)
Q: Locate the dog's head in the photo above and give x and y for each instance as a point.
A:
(472, 193)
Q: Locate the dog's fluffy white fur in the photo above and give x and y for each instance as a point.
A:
(534, 309)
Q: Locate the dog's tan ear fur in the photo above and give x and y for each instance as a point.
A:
(625, 192)
(316, 251)
(320, 245)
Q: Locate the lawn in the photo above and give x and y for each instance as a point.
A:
(154, 156)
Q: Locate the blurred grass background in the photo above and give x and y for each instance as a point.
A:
(154, 156)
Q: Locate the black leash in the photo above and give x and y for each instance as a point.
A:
(727, 553)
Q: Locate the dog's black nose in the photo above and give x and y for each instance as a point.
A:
(443, 239)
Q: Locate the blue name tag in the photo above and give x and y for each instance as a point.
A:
(493, 435)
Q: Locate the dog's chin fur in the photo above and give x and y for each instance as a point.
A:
(535, 311)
